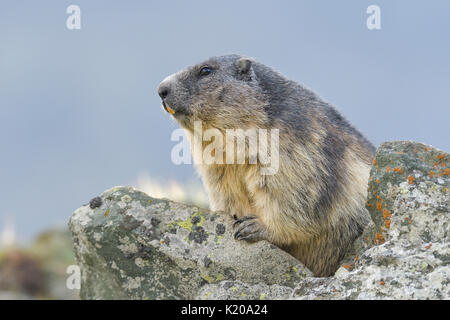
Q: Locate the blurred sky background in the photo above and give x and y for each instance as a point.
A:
(79, 112)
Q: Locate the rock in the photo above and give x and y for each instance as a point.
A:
(132, 246)
(237, 290)
(405, 253)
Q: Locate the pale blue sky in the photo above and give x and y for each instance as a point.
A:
(79, 112)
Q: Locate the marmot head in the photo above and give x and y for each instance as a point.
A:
(222, 92)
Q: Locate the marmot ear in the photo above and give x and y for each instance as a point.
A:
(244, 65)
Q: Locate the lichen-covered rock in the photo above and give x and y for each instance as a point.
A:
(405, 253)
(409, 188)
(237, 290)
(132, 246)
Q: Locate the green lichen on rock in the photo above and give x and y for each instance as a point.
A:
(147, 248)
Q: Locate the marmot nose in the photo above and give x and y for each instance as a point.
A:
(163, 92)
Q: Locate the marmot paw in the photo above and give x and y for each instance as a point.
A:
(249, 229)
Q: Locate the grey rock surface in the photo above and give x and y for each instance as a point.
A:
(237, 290)
(132, 246)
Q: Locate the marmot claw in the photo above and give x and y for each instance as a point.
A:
(240, 220)
(249, 229)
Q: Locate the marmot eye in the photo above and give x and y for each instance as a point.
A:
(205, 71)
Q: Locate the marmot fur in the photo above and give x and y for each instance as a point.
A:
(314, 206)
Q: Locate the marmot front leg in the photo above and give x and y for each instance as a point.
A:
(250, 229)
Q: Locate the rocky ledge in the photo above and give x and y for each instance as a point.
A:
(132, 246)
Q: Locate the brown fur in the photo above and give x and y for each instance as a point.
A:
(287, 205)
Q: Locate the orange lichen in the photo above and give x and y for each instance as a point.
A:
(408, 220)
(443, 164)
(379, 239)
(378, 205)
(428, 246)
(381, 283)
(387, 218)
(378, 181)
(388, 169)
(431, 174)
(347, 266)
(445, 172)
(374, 162)
(410, 180)
(440, 156)
(398, 170)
